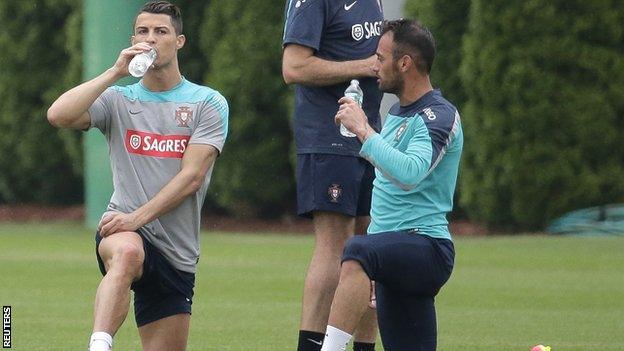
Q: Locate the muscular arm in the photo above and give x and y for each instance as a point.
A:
(70, 110)
(197, 160)
(299, 65)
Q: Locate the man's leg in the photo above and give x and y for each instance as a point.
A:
(407, 321)
(331, 230)
(366, 331)
(348, 307)
(166, 334)
(122, 255)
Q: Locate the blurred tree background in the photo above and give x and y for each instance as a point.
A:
(538, 83)
(544, 115)
(40, 58)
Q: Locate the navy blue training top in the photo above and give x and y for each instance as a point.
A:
(337, 30)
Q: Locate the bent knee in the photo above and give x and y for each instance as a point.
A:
(130, 253)
(356, 247)
(351, 267)
(127, 259)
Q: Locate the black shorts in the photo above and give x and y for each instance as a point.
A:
(334, 183)
(162, 290)
(408, 269)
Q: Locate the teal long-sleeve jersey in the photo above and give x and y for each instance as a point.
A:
(416, 158)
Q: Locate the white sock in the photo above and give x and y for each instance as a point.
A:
(335, 339)
(100, 341)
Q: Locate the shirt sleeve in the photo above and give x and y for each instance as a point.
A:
(405, 169)
(100, 111)
(213, 123)
(305, 21)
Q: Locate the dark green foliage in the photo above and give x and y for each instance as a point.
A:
(448, 21)
(544, 122)
(40, 58)
(193, 59)
(242, 40)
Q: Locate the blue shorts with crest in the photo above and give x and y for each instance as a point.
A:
(334, 183)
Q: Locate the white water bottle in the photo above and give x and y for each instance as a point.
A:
(355, 93)
(141, 63)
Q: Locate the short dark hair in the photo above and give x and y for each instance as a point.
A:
(413, 39)
(167, 8)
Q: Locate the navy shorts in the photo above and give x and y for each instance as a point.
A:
(409, 269)
(162, 290)
(334, 183)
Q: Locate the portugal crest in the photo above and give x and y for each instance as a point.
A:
(183, 116)
(334, 192)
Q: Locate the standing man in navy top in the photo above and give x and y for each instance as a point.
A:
(326, 44)
(408, 251)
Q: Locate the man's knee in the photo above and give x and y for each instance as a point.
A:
(129, 255)
(350, 268)
(359, 256)
(124, 258)
(356, 247)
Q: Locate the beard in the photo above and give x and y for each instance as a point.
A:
(393, 85)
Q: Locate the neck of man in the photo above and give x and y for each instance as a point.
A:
(162, 78)
(414, 88)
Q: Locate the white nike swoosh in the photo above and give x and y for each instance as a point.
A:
(348, 7)
(316, 342)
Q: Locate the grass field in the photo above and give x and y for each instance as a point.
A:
(506, 293)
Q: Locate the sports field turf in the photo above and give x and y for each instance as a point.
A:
(506, 293)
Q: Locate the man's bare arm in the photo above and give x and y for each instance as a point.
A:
(70, 110)
(197, 160)
(299, 65)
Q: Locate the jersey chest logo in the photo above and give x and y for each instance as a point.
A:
(150, 144)
(366, 30)
(400, 131)
(357, 32)
(183, 116)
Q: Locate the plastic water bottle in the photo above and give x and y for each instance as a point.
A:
(141, 63)
(355, 93)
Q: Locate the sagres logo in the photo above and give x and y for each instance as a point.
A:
(400, 131)
(150, 144)
(135, 141)
(357, 32)
(366, 30)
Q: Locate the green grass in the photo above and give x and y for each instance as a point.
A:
(506, 293)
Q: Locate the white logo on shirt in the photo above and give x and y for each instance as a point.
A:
(299, 2)
(400, 131)
(357, 32)
(366, 30)
(157, 145)
(135, 141)
(430, 115)
(348, 7)
(373, 29)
